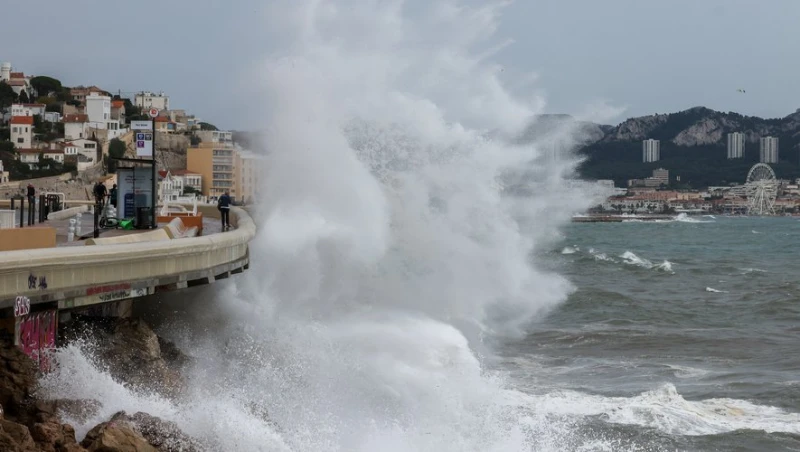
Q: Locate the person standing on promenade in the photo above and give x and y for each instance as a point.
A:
(112, 196)
(224, 207)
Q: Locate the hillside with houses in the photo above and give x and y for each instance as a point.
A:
(65, 139)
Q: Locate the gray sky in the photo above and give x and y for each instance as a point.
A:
(647, 56)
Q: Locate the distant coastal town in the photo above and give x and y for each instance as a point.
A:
(65, 139)
(760, 193)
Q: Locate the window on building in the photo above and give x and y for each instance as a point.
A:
(20, 140)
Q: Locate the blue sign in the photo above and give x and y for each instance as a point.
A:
(129, 206)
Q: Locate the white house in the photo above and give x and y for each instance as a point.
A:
(52, 116)
(190, 179)
(29, 156)
(170, 188)
(87, 148)
(22, 131)
(55, 154)
(146, 100)
(98, 110)
(75, 126)
(28, 109)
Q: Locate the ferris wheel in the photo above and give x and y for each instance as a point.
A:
(761, 189)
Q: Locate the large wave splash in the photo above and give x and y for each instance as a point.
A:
(399, 224)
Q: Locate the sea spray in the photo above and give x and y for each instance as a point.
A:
(399, 225)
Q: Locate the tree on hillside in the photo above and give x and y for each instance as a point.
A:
(7, 146)
(64, 95)
(207, 126)
(7, 95)
(45, 85)
(54, 107)
(23, 97)
(116, 149)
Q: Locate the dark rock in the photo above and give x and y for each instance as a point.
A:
(131, 352)
(17, 380)
(115, 437)
(16, 437)
(140, 432)
(164, 435)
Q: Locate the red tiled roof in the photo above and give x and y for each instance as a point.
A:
(16, 82)
(29, 151)
(22, 120)
(117, 103)
(76, 118)
(162, 119)
(34, 105)
(17, 75)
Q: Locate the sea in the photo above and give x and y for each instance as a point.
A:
(416, 283)
(680, 334)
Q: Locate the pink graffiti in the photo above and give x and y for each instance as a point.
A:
(36, 336)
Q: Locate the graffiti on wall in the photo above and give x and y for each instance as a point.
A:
(36, 336)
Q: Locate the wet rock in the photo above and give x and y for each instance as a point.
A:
(17, 380)
(164, 435)
(139, 432)
(15, 437)
(55, 437)
(115, 437)
(132, 353)
(79, 410)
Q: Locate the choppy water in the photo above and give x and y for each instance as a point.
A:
(680, 334)
(404, 228)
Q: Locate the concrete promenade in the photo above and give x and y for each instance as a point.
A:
(69, 277)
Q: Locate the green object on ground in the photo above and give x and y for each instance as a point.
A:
(126, 224)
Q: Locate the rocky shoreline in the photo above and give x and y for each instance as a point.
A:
(133, 354)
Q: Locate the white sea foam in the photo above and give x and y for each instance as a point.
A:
(713, 290)
(666, 410)
(570, 250)
(630, 258)
(393, 237)
(684, 218)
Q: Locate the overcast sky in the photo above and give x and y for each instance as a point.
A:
(647, 56)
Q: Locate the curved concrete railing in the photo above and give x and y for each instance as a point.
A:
(73, 271)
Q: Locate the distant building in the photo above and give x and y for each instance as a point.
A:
(22, 131)
(5, 72)
(225, 166)
(146, 100)
(214, 161)
(98, 110)
(3, 174)
(247, 171)
(29, 156)
(651, 151)
(735, 145)
(28, 109)
(769, 150)
(661, 176)
(75, 126)
(80, 93)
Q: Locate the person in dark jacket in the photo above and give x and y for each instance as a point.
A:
(112, 196)
(100, 193)
(31, 194)
(224, 206)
